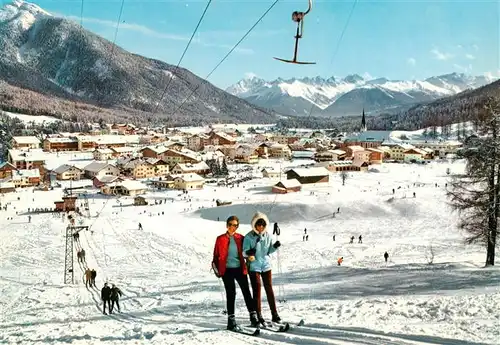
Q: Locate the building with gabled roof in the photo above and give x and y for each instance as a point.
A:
(309, 175)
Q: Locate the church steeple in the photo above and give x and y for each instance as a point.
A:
(363, 122)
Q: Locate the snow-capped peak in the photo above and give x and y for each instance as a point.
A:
(296, 96)
(21, 14)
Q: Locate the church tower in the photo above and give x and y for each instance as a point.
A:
(363, 122)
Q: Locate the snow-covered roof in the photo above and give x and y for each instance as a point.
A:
(62, 140)
(27, 140)
(314, 171)
(32, 155)
(192, 177)
(96, 166)
(292, 183)
(188, 167)
(29, 173)
(63, 168)
(133, 185)
(7, 185)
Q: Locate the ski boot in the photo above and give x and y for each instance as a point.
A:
(276, 318)
(231, 323)
(254, 320)
(262, 321)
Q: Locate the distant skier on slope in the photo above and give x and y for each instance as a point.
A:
(229, 264)
(93, 275)
(88, 277)
(340, 260)
(257, 246)
(386, 256)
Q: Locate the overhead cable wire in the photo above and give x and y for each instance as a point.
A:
(182, 56)
(226, 56)
(337, 47)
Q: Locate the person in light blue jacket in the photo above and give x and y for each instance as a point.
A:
(257, 246)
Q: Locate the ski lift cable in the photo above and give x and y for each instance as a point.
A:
(182, 56)
(81, 13)
(337, 47)
(116, 32)
(225, 57)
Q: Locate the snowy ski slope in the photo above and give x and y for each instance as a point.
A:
(172, 298)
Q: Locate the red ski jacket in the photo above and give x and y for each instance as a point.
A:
(221, 250)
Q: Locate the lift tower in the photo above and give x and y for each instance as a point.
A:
(68, 257)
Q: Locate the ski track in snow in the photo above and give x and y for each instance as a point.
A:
(170, 296)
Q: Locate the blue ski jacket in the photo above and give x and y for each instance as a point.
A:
(263, 244)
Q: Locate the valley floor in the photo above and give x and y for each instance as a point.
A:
(171, 297)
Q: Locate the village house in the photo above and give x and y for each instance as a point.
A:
(220, 138)
(99, 169)
(31, 159)
(98, 182)
(111, 141)
(263, 150)
(270, 173)
(351, 149)
(86, 143)
(309, 175)
(200, 168)
(398, 150)
(68, 172)
(161, 167)
(361, 155)
(103, 154)
(229, 151)
(246, 154)
(280, 151)
(6, 169)
(376, 156)
(25, 178)
(25, 142)
(347, 165)
(287, 186)
(125, 187)
(173, 157)
(198, 141)
(415, 155)
(143, 168)
(56, 144)
(187, 181)
(153, 151)
(329, 155)
(7, 187)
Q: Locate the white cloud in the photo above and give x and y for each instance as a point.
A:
(475, 47)
(153, 33)
(492, 75)
(470, 56)
(411, 61)
(440, 55)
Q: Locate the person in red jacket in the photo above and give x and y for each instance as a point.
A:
(228, 263)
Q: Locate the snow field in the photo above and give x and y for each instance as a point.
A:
(171, 297)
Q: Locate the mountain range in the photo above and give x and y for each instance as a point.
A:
(51, 58)
(346, 96)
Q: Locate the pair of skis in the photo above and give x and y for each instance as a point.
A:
(269, 326)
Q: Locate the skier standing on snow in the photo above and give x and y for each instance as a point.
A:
(106, 298)
(257, 246)
(360, 239)
(115, 295)
(140, 226)
(228, 263)
(386, 256)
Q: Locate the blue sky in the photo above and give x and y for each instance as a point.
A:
(393, 39)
